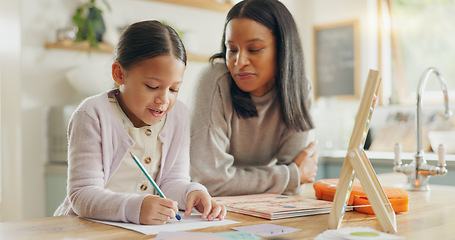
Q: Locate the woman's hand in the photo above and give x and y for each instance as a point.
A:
(156, 210)
(205, 204)
(307, 162)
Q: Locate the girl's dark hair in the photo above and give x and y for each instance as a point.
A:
(148, 39)
(294, 89)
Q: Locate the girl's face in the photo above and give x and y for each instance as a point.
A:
(149, 89)
(251, 55)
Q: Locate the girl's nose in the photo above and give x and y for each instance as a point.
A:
(162, 99)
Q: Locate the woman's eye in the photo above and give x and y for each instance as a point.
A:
(151, 87)
(231, 50)
(256, 50)
(174, 90)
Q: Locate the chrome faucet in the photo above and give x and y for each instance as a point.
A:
(418, 170)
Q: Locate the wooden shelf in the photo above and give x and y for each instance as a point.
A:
(197, 57)
(212, 5)
(107, 48)
(80, 46)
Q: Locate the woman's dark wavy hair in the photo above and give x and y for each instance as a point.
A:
(294, 89)
(148, 39)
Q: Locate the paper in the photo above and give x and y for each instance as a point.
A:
(202, 236)
(356, 233)
(181, 235)
(237, 236)
(191, 222)
(266, 230)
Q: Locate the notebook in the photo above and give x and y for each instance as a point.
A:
(274, 206)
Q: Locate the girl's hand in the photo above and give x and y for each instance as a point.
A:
(205, 204)
(156, 210)
(307, 162)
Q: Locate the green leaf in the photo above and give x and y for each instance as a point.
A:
(87, 27)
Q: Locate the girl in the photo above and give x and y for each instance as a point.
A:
(251, 121)
(144, 117)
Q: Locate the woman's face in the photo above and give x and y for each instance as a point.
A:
(251, 55)
(149, 89)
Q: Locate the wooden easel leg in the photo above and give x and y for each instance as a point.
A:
(374, 191)
(342, 195)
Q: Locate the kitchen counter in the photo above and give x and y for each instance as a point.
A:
(330, 163)
(431, 215)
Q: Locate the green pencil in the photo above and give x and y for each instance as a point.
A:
(152, 181)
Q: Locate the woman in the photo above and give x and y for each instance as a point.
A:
(251, 118)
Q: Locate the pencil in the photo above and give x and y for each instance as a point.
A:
(152, 181)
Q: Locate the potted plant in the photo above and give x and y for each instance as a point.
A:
(90, 23)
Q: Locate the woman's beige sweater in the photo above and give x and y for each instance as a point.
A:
(237, 156)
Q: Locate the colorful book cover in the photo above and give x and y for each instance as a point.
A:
(274, 206)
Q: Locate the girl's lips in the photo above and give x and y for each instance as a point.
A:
(156, 113)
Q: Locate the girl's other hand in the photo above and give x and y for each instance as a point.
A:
(156, 210)
(307, 162)
(205, 204)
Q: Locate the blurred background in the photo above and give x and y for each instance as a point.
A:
(45, 73)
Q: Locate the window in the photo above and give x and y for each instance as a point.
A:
(423, 36)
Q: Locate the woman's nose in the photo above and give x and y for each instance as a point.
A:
(242, 59)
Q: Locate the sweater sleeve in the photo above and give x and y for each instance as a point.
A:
(212, 164)
(175, 181)
(87, 173)
(289, 148)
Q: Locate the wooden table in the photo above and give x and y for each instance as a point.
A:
(431, 216)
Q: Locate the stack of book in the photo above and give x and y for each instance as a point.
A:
(274, 206)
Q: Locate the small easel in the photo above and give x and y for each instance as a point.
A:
(357, 162)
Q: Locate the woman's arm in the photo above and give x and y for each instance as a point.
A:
(300, 148)
(212, 166)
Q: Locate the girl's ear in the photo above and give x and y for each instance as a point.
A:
(118, 73)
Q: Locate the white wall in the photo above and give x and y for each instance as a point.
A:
(334, 119)
(10, 92)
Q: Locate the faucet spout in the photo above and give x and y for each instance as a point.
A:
(418, 170)
(421, 88)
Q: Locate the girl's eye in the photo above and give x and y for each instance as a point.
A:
(174, 90)
(151, 87)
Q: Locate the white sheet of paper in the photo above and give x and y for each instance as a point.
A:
(231, 235)
(266, 230)
(191, 222)
(182, 235)
(356, 233)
